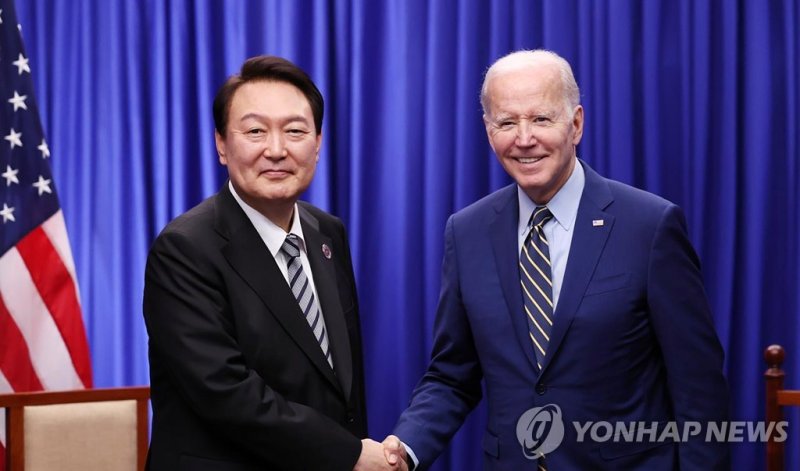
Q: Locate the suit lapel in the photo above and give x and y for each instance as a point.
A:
(251, 259)
(324, 271)
(503, 233)
(587, 245)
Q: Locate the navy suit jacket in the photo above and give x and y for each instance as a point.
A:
(238, 380)
(632, 340)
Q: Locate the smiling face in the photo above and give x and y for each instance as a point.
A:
(270, 146)
(531, 127)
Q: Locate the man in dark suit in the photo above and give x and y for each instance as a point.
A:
(573, 297)
(250, 301)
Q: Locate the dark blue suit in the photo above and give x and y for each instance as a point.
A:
(632, 339)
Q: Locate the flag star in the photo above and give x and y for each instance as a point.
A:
(1, 16)
(14, 138)
(18, 101)
(10, 175)
(44, 149)
(7, 213)
(22, 64)
(43, 185)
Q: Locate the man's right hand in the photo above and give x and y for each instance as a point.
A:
(395, 452)
(372, 458)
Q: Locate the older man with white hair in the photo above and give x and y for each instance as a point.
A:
(576, 299)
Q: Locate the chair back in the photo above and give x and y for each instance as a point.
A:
(87, 429)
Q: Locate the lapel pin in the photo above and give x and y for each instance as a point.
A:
(597, 222)
(326, 251)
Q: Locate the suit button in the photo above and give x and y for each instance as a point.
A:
(541, 389)
(350, 418)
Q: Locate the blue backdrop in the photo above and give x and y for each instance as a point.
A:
(697, 101)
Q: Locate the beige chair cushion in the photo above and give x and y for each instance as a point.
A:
(81, 437)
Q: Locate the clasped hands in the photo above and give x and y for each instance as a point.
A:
(388, 455)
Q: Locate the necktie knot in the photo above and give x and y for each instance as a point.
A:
(540, 216)
(291, 246)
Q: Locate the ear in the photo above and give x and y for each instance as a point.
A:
(318, 145)
(219, 142)
(577, 125)
(488, 125)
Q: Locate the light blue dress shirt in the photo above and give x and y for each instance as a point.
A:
(559, 229)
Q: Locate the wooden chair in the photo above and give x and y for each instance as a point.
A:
(88, 429)
(776, 398)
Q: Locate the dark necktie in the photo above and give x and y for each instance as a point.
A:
(537, 284)
(298, 281)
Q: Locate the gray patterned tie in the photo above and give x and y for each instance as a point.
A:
(298, 281)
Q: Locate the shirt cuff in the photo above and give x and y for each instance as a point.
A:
(411, 455)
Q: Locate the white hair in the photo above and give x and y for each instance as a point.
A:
(517, 59)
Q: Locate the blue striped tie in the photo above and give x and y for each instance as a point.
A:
(298, 282)
(537, 285)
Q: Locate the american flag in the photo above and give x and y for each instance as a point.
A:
(42, 338)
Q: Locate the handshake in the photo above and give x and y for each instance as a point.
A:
(389, 455)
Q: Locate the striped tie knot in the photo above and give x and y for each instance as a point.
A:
(291, 246)
(540, 216)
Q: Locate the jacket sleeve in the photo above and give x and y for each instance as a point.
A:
(691, 350)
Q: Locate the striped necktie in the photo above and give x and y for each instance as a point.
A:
(298, 282)
(537, 285)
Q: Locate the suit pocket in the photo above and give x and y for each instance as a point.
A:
(608, 283)
(491, 444)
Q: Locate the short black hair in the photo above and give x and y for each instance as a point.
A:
(270, 69)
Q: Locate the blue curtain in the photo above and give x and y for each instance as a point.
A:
(695, 100)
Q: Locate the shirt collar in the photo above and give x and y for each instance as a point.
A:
(272, 234)
(564, 205)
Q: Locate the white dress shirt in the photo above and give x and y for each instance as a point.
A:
(274, 236)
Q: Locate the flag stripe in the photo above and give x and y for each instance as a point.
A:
(56, 287)
(15, 359)
(49, 354)
(56, 230)
(16, 362)
(5, 387)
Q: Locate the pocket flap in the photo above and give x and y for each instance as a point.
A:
(609, 283)
(491, 444)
